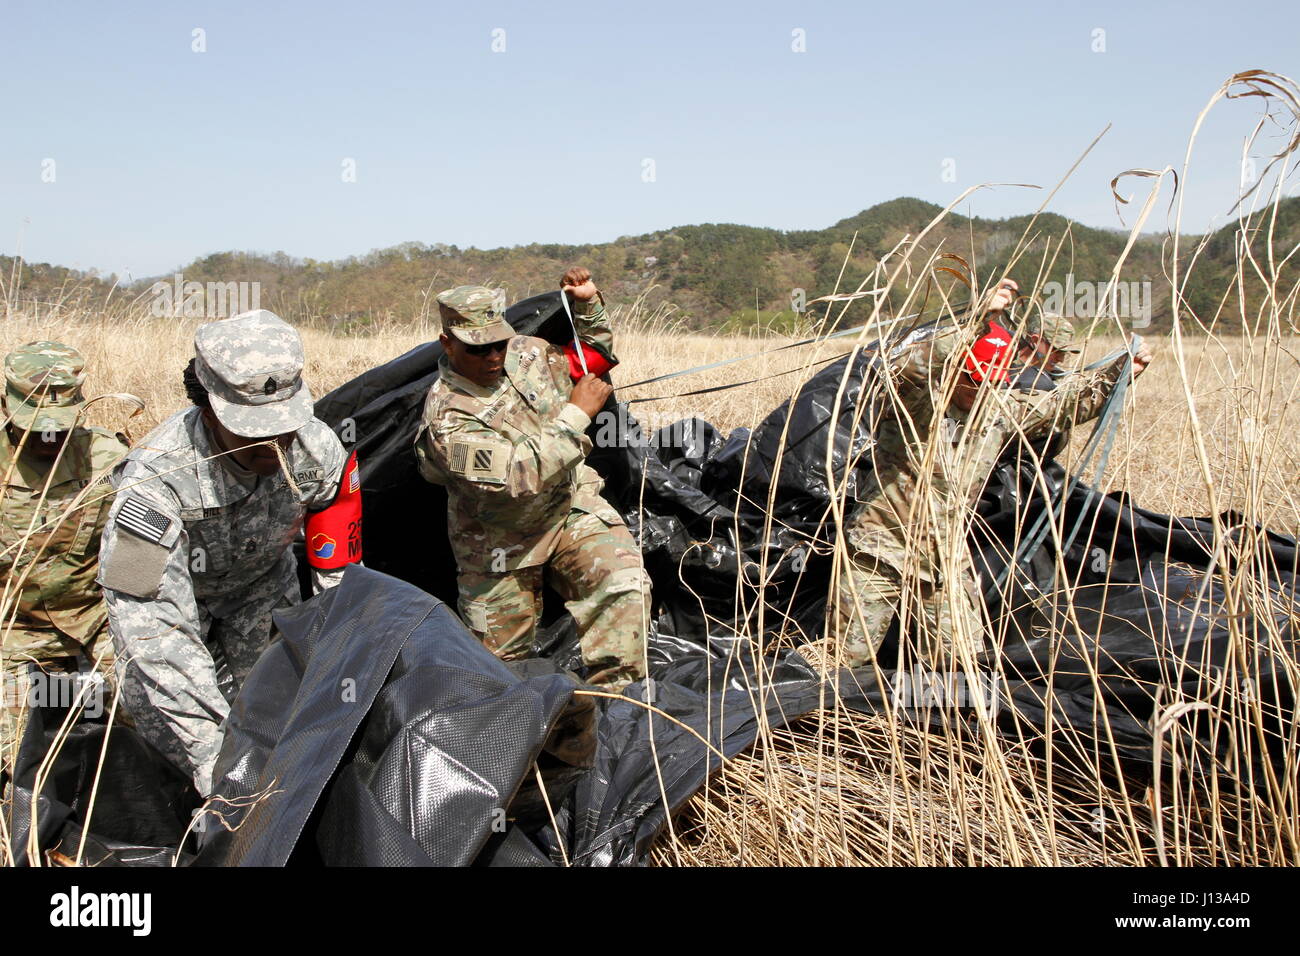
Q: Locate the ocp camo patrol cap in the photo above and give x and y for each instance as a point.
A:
(43, 386)
(251, 365)
(474, 314)
(1056, 329)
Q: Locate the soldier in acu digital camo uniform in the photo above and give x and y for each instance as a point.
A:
(931, 458)
(198, 548)
(55, 500)
(504, 430)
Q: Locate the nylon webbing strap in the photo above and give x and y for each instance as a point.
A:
(577, 342)
(1103, 436)
(749, 381)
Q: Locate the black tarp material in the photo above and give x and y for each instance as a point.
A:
(378, 731)
(140, 809)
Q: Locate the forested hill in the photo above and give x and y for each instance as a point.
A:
(715, 274)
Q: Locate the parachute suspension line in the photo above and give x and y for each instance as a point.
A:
(842, 333)
(749, 381)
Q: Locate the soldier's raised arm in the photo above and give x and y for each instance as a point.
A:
(1077, 398)
(589, 313)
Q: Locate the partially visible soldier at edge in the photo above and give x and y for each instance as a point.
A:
(198, 550)
(56, 498)
(504, 431)
(898, 531)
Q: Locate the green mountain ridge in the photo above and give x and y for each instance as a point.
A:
(717, 275)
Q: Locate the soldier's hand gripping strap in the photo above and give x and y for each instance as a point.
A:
(598, 361)
(334, 533)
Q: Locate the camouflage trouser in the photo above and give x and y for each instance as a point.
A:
(28, 681)
(872, 593)
(597, 569)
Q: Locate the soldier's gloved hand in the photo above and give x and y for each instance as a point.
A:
(590, 394)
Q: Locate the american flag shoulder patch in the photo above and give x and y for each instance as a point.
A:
(142, 520)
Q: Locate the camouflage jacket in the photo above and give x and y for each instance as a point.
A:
(921, 490)
(512, 457)
(49, 542)
(191, 537)
(237, 527)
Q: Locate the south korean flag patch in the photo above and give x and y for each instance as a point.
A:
(479, 460)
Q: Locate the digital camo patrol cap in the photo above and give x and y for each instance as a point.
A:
(43, 386)
(474, 314)
(251, 365)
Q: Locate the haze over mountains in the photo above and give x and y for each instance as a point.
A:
(717, 275)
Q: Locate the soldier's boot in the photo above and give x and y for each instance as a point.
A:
(597, 569)
(858, 616)
(502, 610)
(952, 622)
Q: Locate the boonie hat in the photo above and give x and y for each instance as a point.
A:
(43, 386)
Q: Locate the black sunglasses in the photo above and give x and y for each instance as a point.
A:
(488, 348)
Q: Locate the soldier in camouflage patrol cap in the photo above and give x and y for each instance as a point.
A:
(475, 314)
(55, 501)
(1055, 332)
(198, 548)
(504, 431)
(1046, 342)
(930, 461)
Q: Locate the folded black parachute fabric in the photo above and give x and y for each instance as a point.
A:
(378, 731)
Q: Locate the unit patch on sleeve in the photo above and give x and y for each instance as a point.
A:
(479, 460)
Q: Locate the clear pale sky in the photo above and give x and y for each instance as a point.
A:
(161, 153)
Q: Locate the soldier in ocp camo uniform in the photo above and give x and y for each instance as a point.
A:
(55, 500)
(198, 548)
(930, 462)
(504, 430)
(1046, 343)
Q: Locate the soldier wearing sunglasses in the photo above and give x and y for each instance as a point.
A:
(504, 430)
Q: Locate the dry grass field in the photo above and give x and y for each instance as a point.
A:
(842, 787)
(1246, 393)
